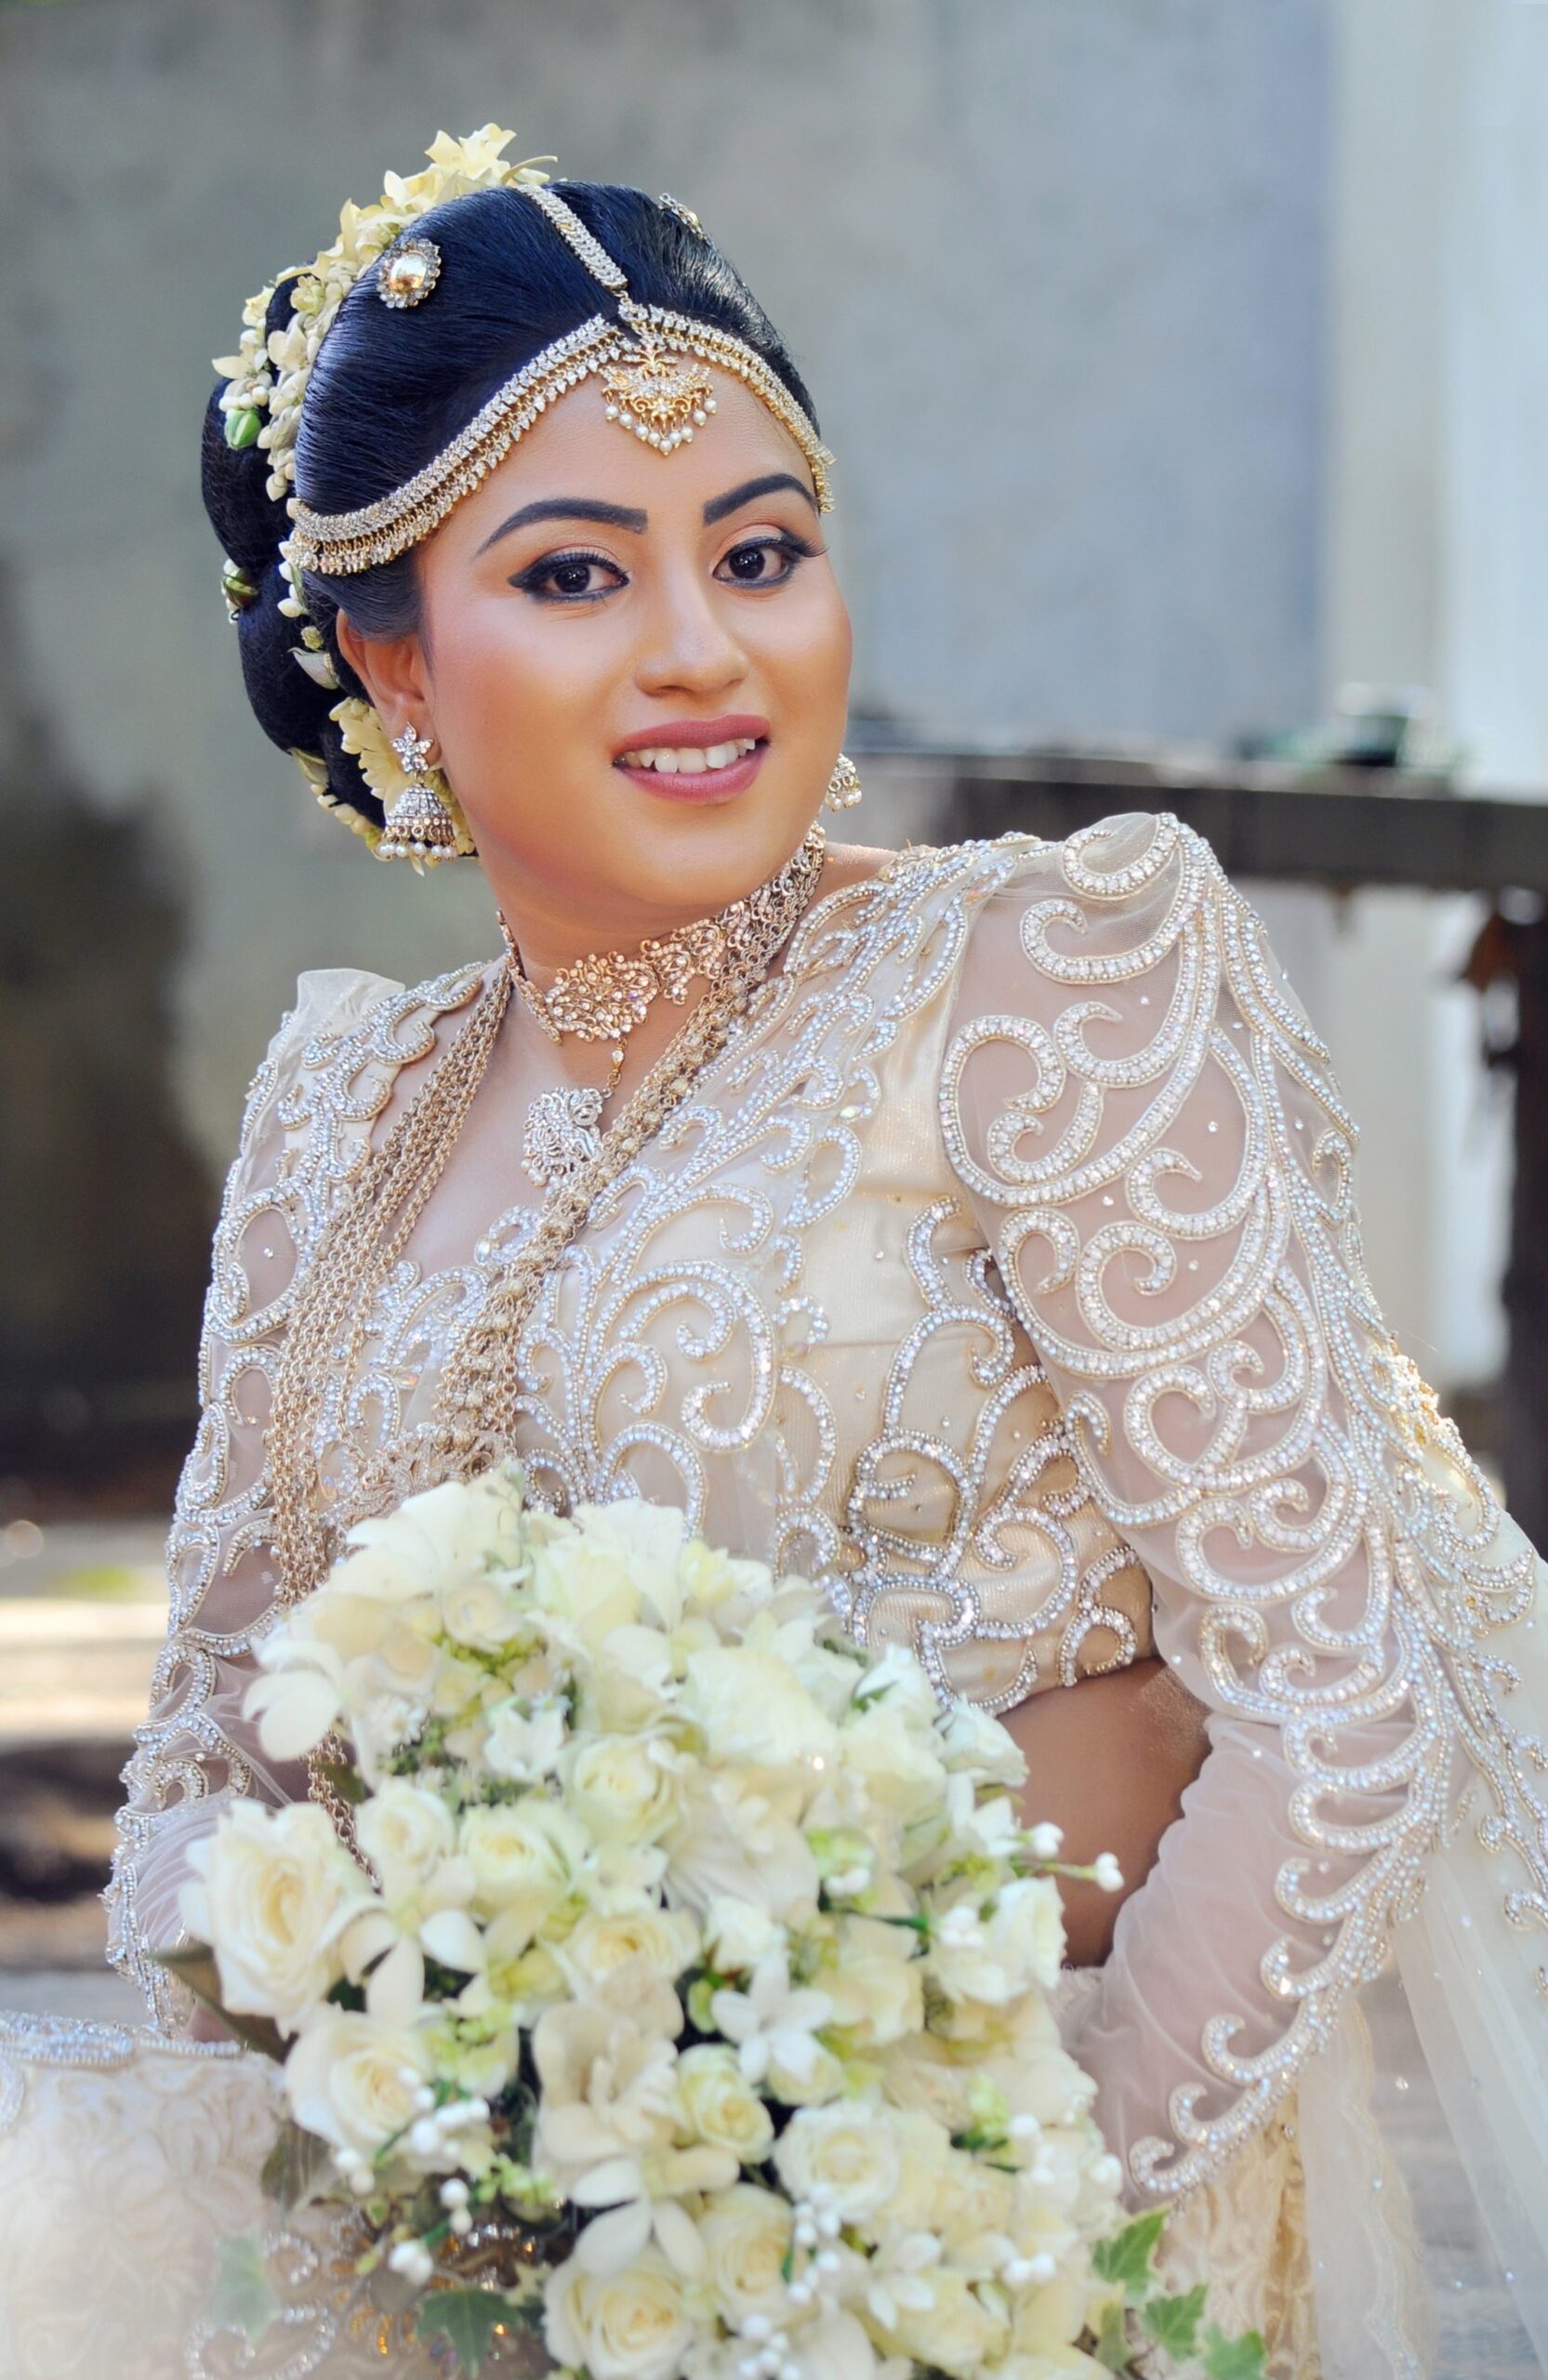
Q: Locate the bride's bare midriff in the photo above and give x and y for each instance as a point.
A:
(1109, 1760)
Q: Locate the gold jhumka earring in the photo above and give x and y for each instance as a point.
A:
(418, 827)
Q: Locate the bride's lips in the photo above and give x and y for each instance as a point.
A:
(721, 783)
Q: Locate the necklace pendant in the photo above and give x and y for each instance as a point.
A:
(562, 1133)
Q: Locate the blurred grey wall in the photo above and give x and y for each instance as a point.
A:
(1054, 268)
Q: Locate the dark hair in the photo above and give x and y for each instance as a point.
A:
(391, 387)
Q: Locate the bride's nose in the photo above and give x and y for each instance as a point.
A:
(688, 646)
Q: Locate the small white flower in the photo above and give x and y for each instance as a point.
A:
(895, 2276)
(772, 2022)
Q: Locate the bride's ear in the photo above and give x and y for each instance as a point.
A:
(393, 671)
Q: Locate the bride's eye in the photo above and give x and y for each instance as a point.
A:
(764, 561)
(569, 578)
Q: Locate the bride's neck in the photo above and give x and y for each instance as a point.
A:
(551, 937)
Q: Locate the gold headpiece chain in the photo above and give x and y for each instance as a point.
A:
(654, 367)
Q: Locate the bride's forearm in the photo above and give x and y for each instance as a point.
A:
(1108, 1760)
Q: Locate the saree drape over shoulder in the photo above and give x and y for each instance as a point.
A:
(1003, 1274)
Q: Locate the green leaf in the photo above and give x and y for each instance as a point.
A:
(242, 2298)
(241, 429)
(344, 1778)
(1173, 2322)
(1112, 2340)
(1126, 2259)
(193, 1964)
(467, 2320)
(1231, 2359)
(298, 2167)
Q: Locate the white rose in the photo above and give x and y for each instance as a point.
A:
(847, 2151)
(482, 1612)
(971, 1739)
(995, 1959)
(666, 1939)
(524, 1858)
(352, 2080)
(716, 2105)
(745, 2233)
(877, 1994)
(406, 1832)
(974, 2204)
(625, 1788)
(896, 1758)
(925, 2157)
(752, 1707)
(628, 2325)
(820, 2076)
(271, 1893)
(923, 2073)
(738, 1933)
(1032, 2068)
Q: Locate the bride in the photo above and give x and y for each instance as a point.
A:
(971, 1229)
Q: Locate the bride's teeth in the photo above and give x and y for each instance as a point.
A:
(693, 759)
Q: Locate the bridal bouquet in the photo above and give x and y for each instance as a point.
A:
(681, 2004)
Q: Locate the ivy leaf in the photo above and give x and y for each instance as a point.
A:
(1173, 2322)
(1231, 2359)
(296, 2167)
(193, 1964)
(1112, 2339)
(467, 2320)
(1126, 2259)
(242, 2298)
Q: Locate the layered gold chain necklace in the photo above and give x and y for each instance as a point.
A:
(366, 1234)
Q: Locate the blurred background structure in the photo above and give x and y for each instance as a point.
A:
(1187, 363)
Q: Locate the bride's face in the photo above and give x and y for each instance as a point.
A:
(595, 603)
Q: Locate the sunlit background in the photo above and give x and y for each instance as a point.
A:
(1187, 363)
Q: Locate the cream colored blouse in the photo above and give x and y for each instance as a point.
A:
(1013, 1230)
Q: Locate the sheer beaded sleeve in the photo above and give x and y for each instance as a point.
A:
(196, 1750)
(1149, 1133)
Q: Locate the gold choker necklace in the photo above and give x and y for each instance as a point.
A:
(604, 997)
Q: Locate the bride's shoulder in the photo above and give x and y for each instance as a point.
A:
(337, 1050)
(1114, 861)
(1137, 872)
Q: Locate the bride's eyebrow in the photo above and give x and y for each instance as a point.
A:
(719, 506)
(570, 508)
(627, 516)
